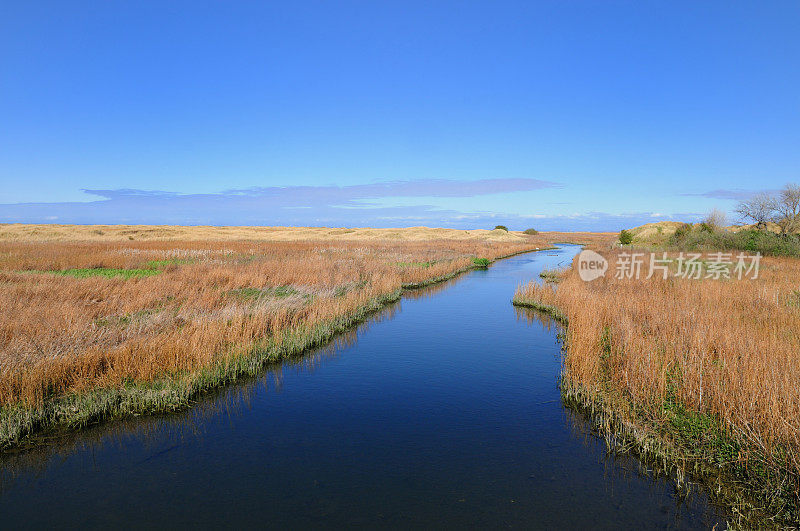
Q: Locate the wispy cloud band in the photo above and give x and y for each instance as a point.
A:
(313, 206)
(733, 195)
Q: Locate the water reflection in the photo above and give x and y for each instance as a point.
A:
(160, 433)
(429, 291)
(531, 316)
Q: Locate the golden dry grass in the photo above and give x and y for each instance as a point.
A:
(61, 334)
(654, 232)
(726, 349)
(108, 233)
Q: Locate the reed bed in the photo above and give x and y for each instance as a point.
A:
(706, 371)
(94, 329)
(62, 333)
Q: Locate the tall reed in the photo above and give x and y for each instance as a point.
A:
(721, 357)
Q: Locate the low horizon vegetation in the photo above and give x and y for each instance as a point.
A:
(773, 229)
(21, 232)
(705, 238)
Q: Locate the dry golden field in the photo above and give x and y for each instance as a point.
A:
(107, 233)
(711, 363)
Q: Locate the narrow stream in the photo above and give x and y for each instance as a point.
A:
(441, 411)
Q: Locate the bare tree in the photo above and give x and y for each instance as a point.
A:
(787, 209)
(760, 209)
(715, 220)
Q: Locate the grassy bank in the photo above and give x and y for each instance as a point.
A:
(698, 377)
(552, 311)
(75, 410)
(477, 263)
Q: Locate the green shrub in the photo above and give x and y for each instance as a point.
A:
(750, 240)
(482, 262)
(501, 227)
(682, 231)
(625, 237)
(532, 232)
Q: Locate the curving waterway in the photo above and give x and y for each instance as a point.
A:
(441, 411)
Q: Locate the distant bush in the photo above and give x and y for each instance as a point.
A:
(482, 262)
(682, 231)
(750, 240)
(714, 220)
(625, 237)
(501, 227)
(532, 232)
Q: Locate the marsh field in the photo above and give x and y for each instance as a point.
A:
(99, 321)
(698, 378)
(439, 409)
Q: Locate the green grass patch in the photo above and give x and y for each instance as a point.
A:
(277, 292)
(106, 272)
(481, 262)
(701, 433)
(158, 264)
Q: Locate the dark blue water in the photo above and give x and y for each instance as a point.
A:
(442, 411)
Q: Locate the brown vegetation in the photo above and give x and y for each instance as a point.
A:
(60, 334)
(709, 365)
(81, 315)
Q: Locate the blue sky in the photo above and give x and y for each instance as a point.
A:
(559, 115)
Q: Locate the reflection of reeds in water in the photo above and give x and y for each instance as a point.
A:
(155, 433)
(311, 360)
(620, 465)
(531, 316)
(428, 291)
